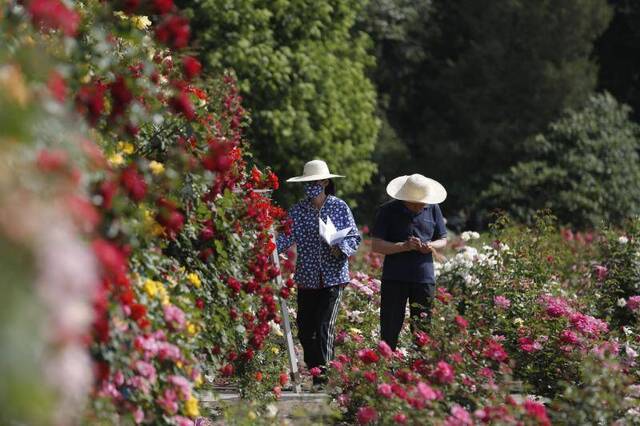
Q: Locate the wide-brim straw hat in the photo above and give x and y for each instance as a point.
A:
(417, 189)
(314, 170)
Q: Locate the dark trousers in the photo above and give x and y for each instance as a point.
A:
(394, 303)
(316, 320)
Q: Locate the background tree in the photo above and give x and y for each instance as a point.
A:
(467, 82)
(618, 53)
(584, 168)
(302, 73)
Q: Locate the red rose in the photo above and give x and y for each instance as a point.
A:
(121, 96)
(134, 183)
(127, 297)
(138, 311)
(52, 15)
(234, 285)
(57, 86)
(284, 379)
(227, 370)
(191, 66)
(90, 100)
(285, 292)
(444, 373)
(131, 5)
(461, 322)
(52, 160)
(182, 104)
(422, 338)
(200, 304)
(370, 376)
(163, 6)
(174, 31)
(367, 415)
(400, 418)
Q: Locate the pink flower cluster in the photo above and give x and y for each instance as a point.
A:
(633, 303)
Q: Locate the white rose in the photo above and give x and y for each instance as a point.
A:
(466, 235)
(623, 240)
(622, 303)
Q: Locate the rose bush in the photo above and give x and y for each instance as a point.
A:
(154, 179)
(515, 313)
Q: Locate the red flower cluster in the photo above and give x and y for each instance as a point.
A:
(191, 67)
(174, 31)
(90, 101)
(134, 183)
(169, 217)
(54, 15)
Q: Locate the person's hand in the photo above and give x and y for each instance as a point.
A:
(425, 248)
(412, 243)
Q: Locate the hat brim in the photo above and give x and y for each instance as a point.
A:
(437, 193)
(311, 178)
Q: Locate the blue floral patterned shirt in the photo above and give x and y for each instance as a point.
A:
(316, 266)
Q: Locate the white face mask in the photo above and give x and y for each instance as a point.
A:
(313, 189)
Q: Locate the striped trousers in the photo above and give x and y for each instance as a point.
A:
(316, 320)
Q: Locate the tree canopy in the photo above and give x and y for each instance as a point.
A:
(302, 72)
(467, 82)
(585, 168)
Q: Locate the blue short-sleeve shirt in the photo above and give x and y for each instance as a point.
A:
(396, 223)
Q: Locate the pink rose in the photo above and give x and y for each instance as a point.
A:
(384, 389)
(426, 391)
(502, 302)
(367, 415)
(633, 303)
(444, 373)
(384, 349)
(174, 317)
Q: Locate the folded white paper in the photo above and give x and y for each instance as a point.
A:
(329, 233)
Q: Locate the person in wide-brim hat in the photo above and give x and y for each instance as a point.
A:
(322, 270)
(408, 230)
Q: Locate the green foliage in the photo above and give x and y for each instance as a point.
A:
(467, 82)
(621, 263)
(606, 396)
(302, 73)
(584, 168)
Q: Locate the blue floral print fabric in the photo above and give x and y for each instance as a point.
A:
(316, 265)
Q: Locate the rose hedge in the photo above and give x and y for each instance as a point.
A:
(153, 171)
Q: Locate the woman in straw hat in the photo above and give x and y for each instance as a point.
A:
(407, 231)
(322, 270)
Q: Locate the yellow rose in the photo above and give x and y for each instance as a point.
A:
(252, 415)
(116, 159)
(198, 381)
(191, 407)
(156, 168)
(194, 279)
(126, 147)
(151, 288)
(163, 295)
(192, 329)
(275, 350)
(141, 22)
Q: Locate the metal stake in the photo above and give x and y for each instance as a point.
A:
(284, 313)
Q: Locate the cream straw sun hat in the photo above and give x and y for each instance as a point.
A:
(417, 189)
(314, 170)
